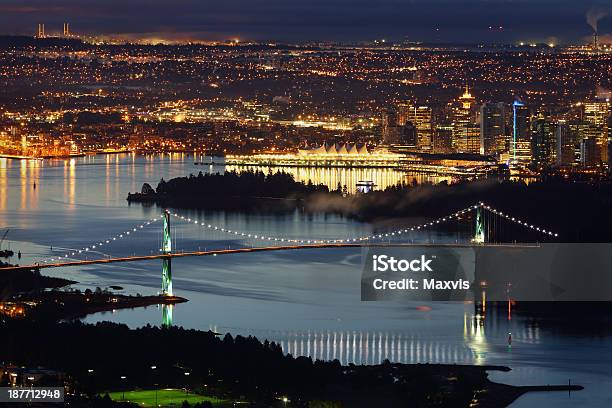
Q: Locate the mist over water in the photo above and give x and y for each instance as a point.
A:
(308, 301)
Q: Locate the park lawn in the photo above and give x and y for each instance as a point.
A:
(165, 397)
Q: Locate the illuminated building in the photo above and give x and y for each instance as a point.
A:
(421, 118)
(542, 142)
(409, 137)
(443, 139)
(521, 135)
(590, 154)
(492, 128)
(391, 131)
(596, 114)
(566, 140)
(466, 133)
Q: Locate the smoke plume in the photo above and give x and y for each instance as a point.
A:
(594, 15)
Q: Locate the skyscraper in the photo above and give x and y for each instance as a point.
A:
(543, 142)
(391, 131)
(521, 135)
(466, 133)
(409, 137)
(492, 128)
(596, 114)
(421, 117)
(566, 142)
(590, 155)
(443, 139)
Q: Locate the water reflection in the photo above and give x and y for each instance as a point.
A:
(484, 341)
(332, 177)
(167, 315)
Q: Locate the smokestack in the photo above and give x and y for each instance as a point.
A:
(595, 41)
(40, 32)
(66, 30)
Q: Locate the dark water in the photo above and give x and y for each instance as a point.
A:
(309, 300)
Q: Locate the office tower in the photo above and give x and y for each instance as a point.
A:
(391, 131)
(466, 133)
(610, 144)
(596, 114)
(421, 118)
(542, 142)
(521, 135)
(492, 128)
(443, 139)
(409, 137)
(567, 139)
(590, 155)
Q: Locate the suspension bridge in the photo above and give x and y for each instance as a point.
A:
(482, 214)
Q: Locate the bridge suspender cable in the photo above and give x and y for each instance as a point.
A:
(379, 236)
(250, 235)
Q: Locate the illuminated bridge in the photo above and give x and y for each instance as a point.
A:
(485, 220)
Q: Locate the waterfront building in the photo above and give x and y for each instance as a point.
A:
(466, 133)
(543, 142)
(391, 129)
(422, 119)
(443, 139)
(493, 128)
(567, 140)
(590, 154)
(521, 134)
(596, 115)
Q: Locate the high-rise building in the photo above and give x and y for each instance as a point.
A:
(610, 144)
(421, 118)
(543, 142)
(466, 133)
(391, 131)
(521, 134)
(596, 114)
(590, 155)
(492, 128)
(567, 141)
(443, 139)
(409, 137)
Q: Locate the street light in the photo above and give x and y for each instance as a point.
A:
(90, 383)
(186, 389)
(123, 377)
(155, 384)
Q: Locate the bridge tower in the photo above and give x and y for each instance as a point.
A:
(479, 231)
(166, 262)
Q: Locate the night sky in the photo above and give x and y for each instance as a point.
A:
(292, 20)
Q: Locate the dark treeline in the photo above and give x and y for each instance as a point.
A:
(578, 212)
(218, 190)
(230, 367)
(26, 280)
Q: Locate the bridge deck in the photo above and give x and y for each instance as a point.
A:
(248, 250)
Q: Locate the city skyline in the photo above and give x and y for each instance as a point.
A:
(473, 21)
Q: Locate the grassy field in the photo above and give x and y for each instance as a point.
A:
(165, 397)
